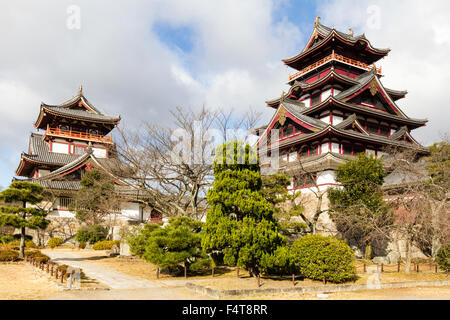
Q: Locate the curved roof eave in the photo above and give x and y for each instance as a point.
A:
(335, 34)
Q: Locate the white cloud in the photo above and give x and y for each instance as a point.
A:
(235, 60)
(417, 32)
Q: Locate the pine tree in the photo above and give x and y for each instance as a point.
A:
(23, 193)
(358, 208)
(175, 244)
(240, 226)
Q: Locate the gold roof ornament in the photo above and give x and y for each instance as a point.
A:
(80, 90)
(373, 87)
(281, 115)
(316, 22)
(351, 32)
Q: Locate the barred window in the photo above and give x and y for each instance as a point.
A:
(65, 203)
(78, 149)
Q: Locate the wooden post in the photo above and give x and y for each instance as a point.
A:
(157, 272)
(258, 278)
(324, 280)
(51, 270)
(56, 273)
(62, 277)
(414, 265)
(364, 267)
(48, 267)
(237, 272)
(435, 268)
(418, 267)
(293, 279)
(185, 271)
(382, 268)
(398, 266)
(212, 272)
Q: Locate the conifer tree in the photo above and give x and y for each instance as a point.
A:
(18, 215)
(240, 227)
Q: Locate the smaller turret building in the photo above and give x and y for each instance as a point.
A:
(73, 137)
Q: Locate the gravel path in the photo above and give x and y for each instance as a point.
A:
(111, 278)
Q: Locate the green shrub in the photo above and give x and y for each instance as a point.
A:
(138, 242)
(82, 245)
(105, 245)
(27, 237)
(16, 244)
(91, 234)
(317, 257)
(9, 255)
(37, 255)
(6, 239)
(443, 257)
(280, 262)
(54, 242)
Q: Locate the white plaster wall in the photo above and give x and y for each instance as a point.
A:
(327, 176)
(326, 94)
(325, 119)
(307, 102)
(336, 92)
(370, 151)
(130, 210)
(292, 156)
(99, 153)
(43, 172)
(325, 147)
(335, 147)
(60, 147)
(337, 119)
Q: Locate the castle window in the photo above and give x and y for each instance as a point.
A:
(77, 149)
(303, 152)
(66, 203)
(315, 99)
(384, 131)
(347, 149)
(372, 127)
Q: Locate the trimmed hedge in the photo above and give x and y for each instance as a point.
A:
(82, 245)
(318, 257)
(443, 257)
(105, 245)
(9, 255)
(15, 245)
(91, 234)
(54, 242)
(38, 255)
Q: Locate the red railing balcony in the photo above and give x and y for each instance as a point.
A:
(77, 135)
(338, 57)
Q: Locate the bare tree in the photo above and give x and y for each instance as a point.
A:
(301, 173)
(171, 166)
(420, 202)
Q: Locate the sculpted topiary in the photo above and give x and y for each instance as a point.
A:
(318, 257)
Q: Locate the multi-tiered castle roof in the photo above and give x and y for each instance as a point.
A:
(75, 137)
(336, 105)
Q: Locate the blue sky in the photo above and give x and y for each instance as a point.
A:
(140, 59)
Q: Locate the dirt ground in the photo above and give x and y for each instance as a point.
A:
(20, 282)
(418, 293)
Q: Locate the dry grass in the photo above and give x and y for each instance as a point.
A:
(145, 270)
(20, 282)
